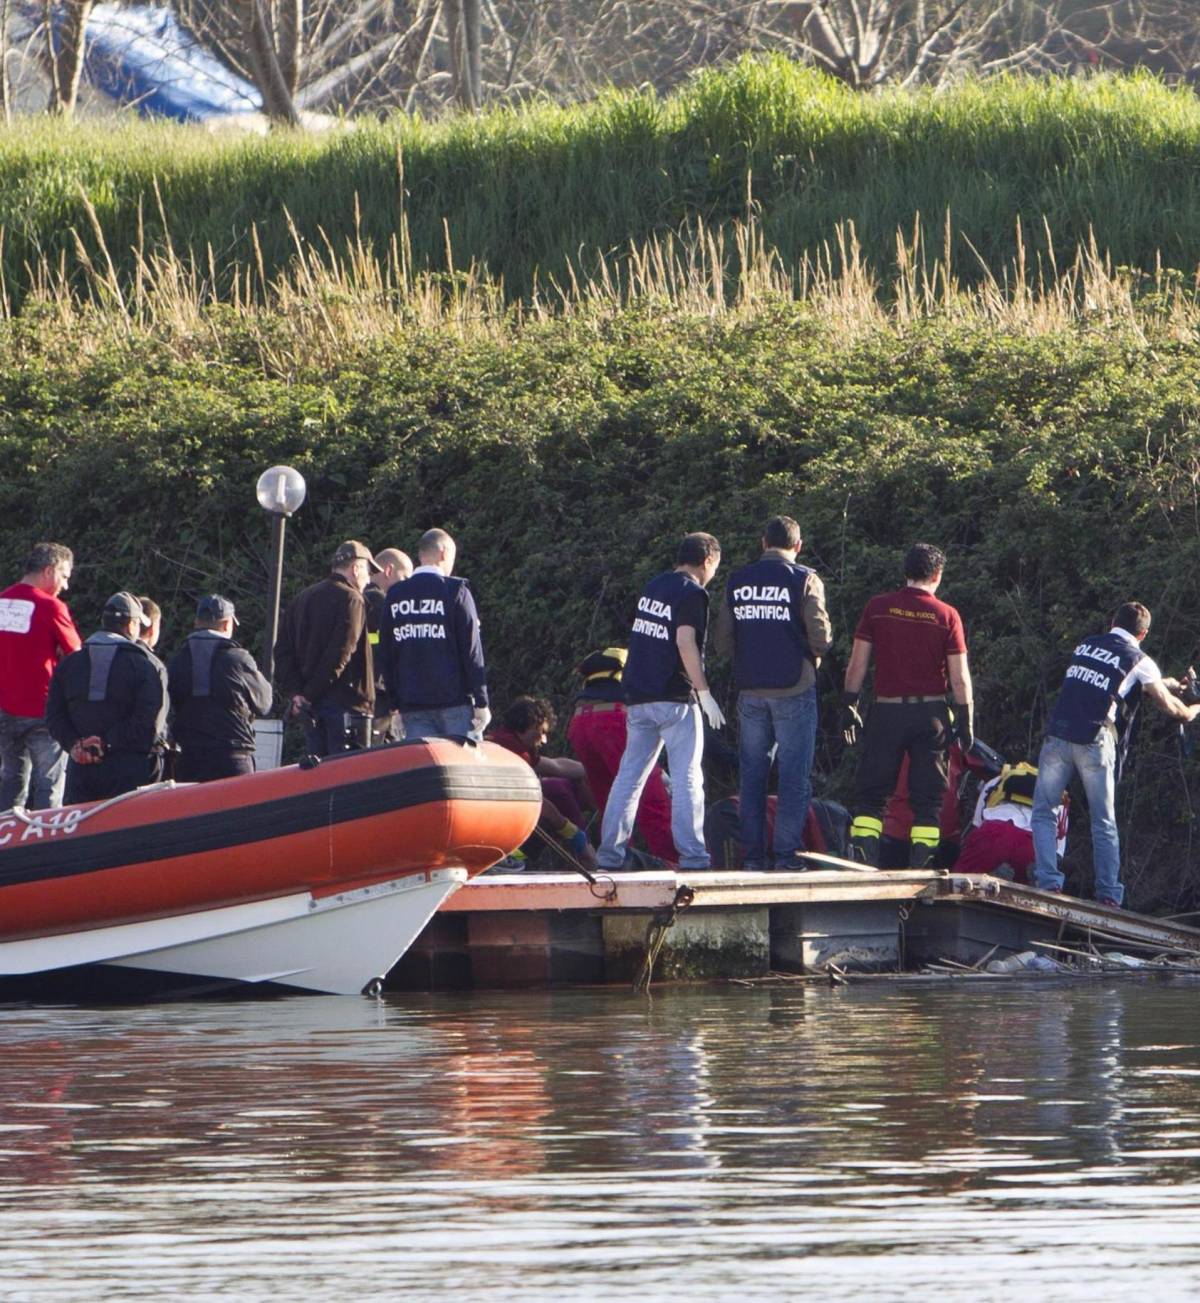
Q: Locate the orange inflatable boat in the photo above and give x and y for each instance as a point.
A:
(316, 878)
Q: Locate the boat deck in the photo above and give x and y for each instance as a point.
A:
(543, 930)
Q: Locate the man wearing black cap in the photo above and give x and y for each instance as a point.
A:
(217, 692)
(107, 707)
(323, 657)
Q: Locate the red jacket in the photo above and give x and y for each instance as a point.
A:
(36, 632)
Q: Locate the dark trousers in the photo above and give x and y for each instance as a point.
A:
(205, 766)
(331, 729)
(920, 730)
(119, 771)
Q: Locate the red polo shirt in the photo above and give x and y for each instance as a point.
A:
(36, 630)
(911, 633)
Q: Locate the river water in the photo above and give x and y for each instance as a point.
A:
(1009, 1140)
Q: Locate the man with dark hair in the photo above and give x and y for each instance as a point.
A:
(774, 626)
(1088, 734)
(920, 652)
(36, 632)
(668, 698)
(107, 707)
(323, 658)
(430, 647)
(394, 565)
(217, 692)
(523, 730)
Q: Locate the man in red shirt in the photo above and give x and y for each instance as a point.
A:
(36, 632)
(920, 653)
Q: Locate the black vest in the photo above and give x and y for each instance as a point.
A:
(766, 599)
(1098, 668)
(654, 670)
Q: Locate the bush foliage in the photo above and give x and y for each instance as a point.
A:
(1059, 469)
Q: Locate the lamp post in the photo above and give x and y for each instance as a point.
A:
(280, 491)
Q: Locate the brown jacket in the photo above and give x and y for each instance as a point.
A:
(323, 650)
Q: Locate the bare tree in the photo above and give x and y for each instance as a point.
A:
(267, 61)
(65, 48)
(5, 96)
(378, 56)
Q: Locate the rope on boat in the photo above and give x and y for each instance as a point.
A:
(656, 934)
(59, 820)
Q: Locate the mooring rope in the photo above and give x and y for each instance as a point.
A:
(656, 935)
(594, 881)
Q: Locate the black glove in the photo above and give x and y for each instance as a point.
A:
(851, 721)
(964, 724)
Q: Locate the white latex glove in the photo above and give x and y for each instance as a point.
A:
(479, 722)
(711, 711)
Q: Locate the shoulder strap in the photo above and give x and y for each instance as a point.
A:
(202, 652)
(100, 662)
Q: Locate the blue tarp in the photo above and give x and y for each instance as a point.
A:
(141, 56)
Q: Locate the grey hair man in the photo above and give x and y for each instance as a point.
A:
(36, 632)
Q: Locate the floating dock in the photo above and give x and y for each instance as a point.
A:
(543, 930)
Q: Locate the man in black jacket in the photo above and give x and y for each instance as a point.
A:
(217, 692)
(323, 661)
(107, 707)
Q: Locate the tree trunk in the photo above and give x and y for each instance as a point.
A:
(290, 43)
(463, 73)
(473, 52)
(64, 54)
(5, 103)
(260, 54)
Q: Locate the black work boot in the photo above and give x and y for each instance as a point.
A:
(865, 850)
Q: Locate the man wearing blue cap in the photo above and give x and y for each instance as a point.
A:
(217, 692)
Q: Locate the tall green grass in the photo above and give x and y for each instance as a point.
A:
(526, 194)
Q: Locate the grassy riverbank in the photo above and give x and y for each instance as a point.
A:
(531, 195)
(1048, 439)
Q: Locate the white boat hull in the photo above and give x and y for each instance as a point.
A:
(334, 944)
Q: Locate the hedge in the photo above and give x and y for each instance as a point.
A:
(1059, 469)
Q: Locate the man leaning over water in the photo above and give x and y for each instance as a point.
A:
(1088, 734)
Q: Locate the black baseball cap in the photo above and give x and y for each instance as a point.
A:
(215, 607)
(124, 606)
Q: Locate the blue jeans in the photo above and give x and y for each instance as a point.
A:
(648, 728)
(33, 767)
(790, 724)
(449, 721)
(1096, 765)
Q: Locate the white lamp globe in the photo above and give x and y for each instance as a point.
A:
(281, 490)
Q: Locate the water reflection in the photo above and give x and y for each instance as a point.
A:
(880, 1140)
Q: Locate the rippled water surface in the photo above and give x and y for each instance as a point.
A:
(1015, 1140)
